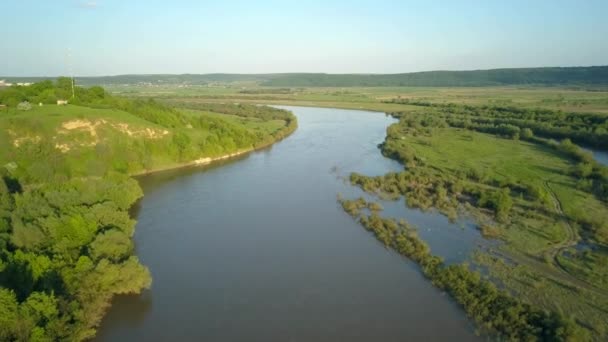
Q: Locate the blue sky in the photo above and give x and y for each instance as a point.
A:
(108, 37)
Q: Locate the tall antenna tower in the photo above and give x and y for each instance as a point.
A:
(70, 69)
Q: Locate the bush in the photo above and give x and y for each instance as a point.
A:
(24, 106)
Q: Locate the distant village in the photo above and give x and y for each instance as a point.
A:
(25, 105)
(3, 83)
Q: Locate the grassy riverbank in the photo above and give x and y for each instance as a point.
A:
(65, 192)
(544, 200)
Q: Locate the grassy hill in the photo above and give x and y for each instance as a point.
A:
(594, 75)
(101, 133)
(50, 141)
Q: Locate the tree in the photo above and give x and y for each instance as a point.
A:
(182, 141)
(526, 133)
(9, 314)
(112, 244)
(41, 307)
(582, 170)
(64, 88)
(504, 203)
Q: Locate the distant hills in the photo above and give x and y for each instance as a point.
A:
(554, 76)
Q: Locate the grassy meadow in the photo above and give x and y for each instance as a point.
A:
(577, 99)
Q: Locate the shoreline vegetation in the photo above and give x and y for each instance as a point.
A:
(210, 160)
(66, 187)
(543, 199)
(494, 310)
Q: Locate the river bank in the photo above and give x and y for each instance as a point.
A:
(282, 134)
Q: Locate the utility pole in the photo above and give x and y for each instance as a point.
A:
(71, 70)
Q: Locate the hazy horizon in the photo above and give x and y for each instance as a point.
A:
(111, 37)
(290, 72)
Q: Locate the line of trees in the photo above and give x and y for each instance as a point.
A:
(582, 128)
(494, 310)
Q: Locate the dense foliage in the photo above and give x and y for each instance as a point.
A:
(245, 110)
(65, 249)
(264, 113)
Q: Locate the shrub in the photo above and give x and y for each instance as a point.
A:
(24, 106)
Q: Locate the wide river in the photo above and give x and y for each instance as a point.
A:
(257, 249)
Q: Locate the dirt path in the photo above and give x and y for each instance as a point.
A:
(553, 253)
(554, 269)
(571, 239)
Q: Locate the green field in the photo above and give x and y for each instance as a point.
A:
(580, 99)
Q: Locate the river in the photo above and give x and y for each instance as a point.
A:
(258, 249)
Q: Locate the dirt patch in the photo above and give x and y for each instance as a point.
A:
(83, 125)
(92, 128)
(146, 133)
(20, 141)
(62, 147)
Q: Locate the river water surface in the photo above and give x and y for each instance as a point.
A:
(257, 249)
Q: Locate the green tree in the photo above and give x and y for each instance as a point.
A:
(527, 133)
(9, 314)
(112, 244)
(182, 141)
(64, 88)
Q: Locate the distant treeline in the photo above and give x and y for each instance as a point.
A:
(495, 77)
(594, 75)
(582, 128)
